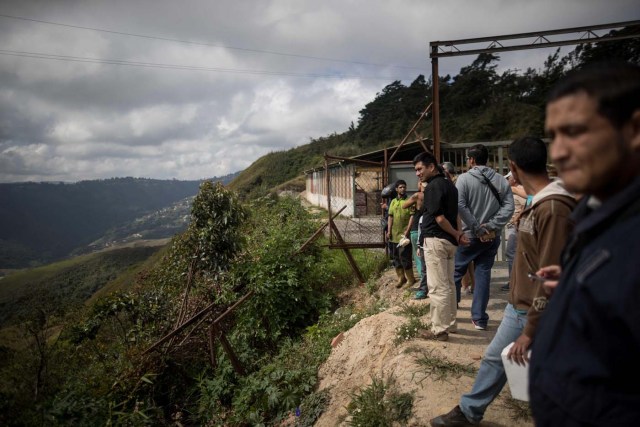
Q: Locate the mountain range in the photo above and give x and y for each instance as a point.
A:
(43, 222)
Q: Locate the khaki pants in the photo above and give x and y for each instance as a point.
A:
(439, 257)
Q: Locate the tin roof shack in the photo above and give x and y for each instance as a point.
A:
(356, 182)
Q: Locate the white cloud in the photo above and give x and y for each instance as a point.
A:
(67, 120)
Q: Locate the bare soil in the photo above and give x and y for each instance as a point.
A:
(368, 349)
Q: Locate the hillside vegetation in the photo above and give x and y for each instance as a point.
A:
(44, 222)
(477, 104)
(68, 284)
(86, 365)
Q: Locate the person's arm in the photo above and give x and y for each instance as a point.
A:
(390, 220)
(407, 230)
(413, 200)
(444, 223)
(505, 212)
(463, 208)
(552, 228)
(518, 190)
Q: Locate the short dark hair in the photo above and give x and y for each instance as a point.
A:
(529, 154)
(615, 86)
(401, 182)
(426, 159)
(479, 153)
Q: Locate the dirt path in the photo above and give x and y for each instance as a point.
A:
(368, 349)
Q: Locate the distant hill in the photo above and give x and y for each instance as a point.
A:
(44, 222)
(70, 283)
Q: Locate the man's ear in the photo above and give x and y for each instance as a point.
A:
(514, 171)
(633, 127)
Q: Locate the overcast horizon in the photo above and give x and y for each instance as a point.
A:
(200, 89)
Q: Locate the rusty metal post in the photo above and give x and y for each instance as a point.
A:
(318, 231)
(435, 85)
(226, 346)
(328, 185)
(352, 261)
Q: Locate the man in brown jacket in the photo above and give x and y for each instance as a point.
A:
(543, 228)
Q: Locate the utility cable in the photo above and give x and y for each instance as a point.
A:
(39, 55)
(294, 55)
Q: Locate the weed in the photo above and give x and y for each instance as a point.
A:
(413, 310)
(441, 368)
(312, 407)
(409, 330)
(380, 404)
(519, 409)
(371, 285)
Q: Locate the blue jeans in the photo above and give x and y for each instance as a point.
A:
(414, 245)
(491, 377)
(483, 254)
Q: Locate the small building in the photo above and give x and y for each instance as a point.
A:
(355, 183)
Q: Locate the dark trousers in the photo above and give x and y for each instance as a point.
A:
(401, 256)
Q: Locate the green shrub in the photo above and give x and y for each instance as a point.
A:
(409, 330)
(380, 405)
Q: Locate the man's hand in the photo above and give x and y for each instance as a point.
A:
(552, 274)
(463, 240)
(518, 351)
(485, 234)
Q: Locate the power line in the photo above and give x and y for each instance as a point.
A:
(294, 55)
(39, 55)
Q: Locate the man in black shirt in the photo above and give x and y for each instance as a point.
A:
(441, 230)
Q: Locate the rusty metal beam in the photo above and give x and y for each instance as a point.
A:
(226, 346)
(541, 40)
(357, 245)
(195, 318)
(346, 159)
(318, 231)
(424, 113)
(435, 114)
(352, 261)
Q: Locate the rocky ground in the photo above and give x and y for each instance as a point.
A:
(368, 350)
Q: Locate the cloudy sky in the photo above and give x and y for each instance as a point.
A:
(195, 89)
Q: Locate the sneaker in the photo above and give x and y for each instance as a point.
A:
(420, 295)
(428, 335)
(415, 288)
(478, 326)
(504, 287)
(454, 418)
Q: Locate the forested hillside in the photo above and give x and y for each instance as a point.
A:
(477, 104)
(43, 222)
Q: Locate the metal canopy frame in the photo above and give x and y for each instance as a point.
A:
(542, 39)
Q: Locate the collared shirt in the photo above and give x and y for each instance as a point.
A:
(440, 198)
(401, 218)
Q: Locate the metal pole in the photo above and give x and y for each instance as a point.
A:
(436, 102)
